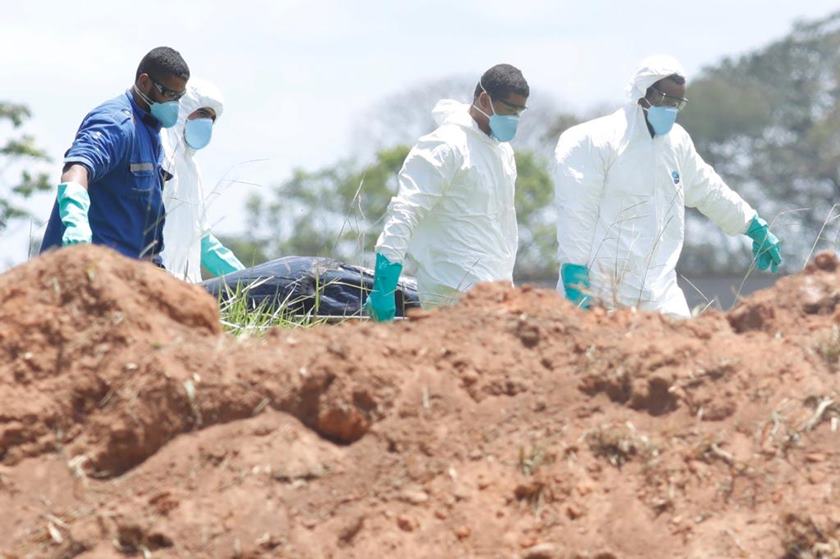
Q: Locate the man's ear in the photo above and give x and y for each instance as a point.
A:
(142, 80)
(488, 102)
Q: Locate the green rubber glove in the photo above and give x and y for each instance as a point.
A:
(217, 258)
(766, 246)
(73, 207)
(575, 279)
(381, 302)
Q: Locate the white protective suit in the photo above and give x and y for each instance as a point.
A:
(183, 195)
(621, 196)
(454, 213)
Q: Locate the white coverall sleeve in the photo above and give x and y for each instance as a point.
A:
(706, 191)
(425, 176)
(579, 175)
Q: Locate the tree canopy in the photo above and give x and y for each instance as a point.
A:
(18, 153)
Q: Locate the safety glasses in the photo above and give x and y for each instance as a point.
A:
(517, 109)
(666, 100)
(170, 94)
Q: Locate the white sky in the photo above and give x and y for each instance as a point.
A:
(298, 75)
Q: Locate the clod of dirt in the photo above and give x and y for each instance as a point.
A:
(807, 537)
(751, 317)
(825, 261)
(619, 444)
(794, 297)
(542, 551)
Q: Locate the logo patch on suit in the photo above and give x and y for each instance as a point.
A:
(676, 176)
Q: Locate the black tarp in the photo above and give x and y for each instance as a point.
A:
(308, 285)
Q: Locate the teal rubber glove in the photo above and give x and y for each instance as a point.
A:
(766, 246)
(217, 258)
(381, 302)
(73, 207)
(575, 279)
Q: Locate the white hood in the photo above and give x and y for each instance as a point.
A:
(183, 195)
(651, 70)
(450, 111)
(200, 94)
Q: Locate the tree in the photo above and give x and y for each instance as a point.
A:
(769, 122)
(330, 212)
(404, 116)
(536, 259)
(16, 154)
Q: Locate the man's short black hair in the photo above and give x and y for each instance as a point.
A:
(163, 61)
(501, 80)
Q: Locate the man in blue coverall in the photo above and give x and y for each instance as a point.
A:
(111, 185)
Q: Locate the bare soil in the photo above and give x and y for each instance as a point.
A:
(511, 425)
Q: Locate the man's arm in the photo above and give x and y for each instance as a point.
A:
(74, 204)
(98, 147)
(75, 172)
(706, 191)
(426, 174)
(579, 175)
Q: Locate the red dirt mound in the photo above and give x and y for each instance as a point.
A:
(511, 425)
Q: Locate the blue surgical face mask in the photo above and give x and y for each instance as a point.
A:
(197, 132)
(661, 119)
(166, 113)
(502, 127)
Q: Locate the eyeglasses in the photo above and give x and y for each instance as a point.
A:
(204, 112)
(666, 100)
(166, 92)
(517, 109)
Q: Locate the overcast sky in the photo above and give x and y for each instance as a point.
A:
(298, 76)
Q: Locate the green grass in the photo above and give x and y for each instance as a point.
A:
(243, 319)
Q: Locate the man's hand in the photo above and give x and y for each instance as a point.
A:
(73, 207)
(381, 301)
(766, 246)
(575, 279)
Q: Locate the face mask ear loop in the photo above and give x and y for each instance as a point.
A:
(146, 99)
(492, 109)
(142, 95)
(479, 110)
